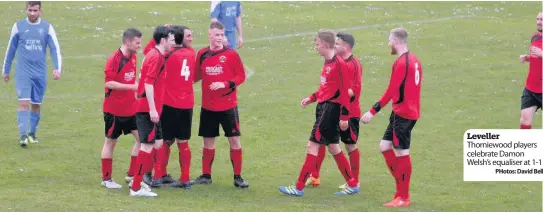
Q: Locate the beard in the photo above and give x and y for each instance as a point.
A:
(393, 50)
(539, 29)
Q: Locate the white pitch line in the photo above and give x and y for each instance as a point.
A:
(277, 37)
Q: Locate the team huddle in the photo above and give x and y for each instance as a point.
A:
(160, 114)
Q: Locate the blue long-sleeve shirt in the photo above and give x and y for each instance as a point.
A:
(226, 13)
(33, 39)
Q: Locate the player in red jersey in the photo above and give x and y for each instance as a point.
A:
(176, 118)
(344, 46)
(221, 71)
(531, 96)
(404, 91)
(332, 115)
(119, 103)
(150, 94)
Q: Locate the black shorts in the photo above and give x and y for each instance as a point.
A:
(148, 131)
(326, 128)
(210, 120)
(176, 123)
(350, 136)
(399, 131)
(118, 125)
(530, 99)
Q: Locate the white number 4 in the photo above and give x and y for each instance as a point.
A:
(417, 74)
(185, 71)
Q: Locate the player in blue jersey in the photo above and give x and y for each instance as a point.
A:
(228, 13)
(33, 35)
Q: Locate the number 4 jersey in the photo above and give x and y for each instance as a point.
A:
(180, 64)
(404, 88)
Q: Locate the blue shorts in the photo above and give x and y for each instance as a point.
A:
(232, 39)
(31, 88)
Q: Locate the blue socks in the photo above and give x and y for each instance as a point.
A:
(34, 120)
(27, 122)
(22, 121)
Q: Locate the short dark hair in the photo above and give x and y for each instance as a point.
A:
(33, 3)
(347, 38)
(179, 34)
(161, 32)
(131, 33)
(216, 25)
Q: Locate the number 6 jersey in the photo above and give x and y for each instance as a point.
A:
(403, 88)
(180, 63)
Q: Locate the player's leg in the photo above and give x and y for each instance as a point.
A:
(147, 130)
(313, 145)
(232, 40)
(401, 141)
(169, 121)
(36, 98)
(23, 86)
(529, 105)
(185, 155)
(350, 139)
(209, 129)
(230, 123)
(314, 180)
(133, 157)
(133, 129)
(112, 132)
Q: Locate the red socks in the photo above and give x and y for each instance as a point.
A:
(354, 160)
(184, 161)
(400, 168)
(144, 164)
(236, 159)
(345, 169)
(159, 162)
(307, 168)
(404, 175)
(166, 158)
(320, 158)
(207, 160)
(132, 168)
(525, 127)
(107, 166)
(390, 159)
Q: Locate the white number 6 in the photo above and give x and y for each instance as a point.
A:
(417, 74)
(185, 71)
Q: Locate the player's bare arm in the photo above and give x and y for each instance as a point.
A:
(121, 86)
(150, 95)
(524, 58)
(239, 29)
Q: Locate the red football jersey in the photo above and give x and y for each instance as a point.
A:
(533, 81)
(404, 88)
(150, 45)
(152, 72)
(222, 65)
(355, 70)
(334, 86)
(179, 68)
(123, 70)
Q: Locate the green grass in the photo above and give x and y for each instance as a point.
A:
(472, 79)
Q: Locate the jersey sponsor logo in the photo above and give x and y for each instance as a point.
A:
(129, 76)
(231, 11)
(214, 70)
(323, 80)
(33, 45)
